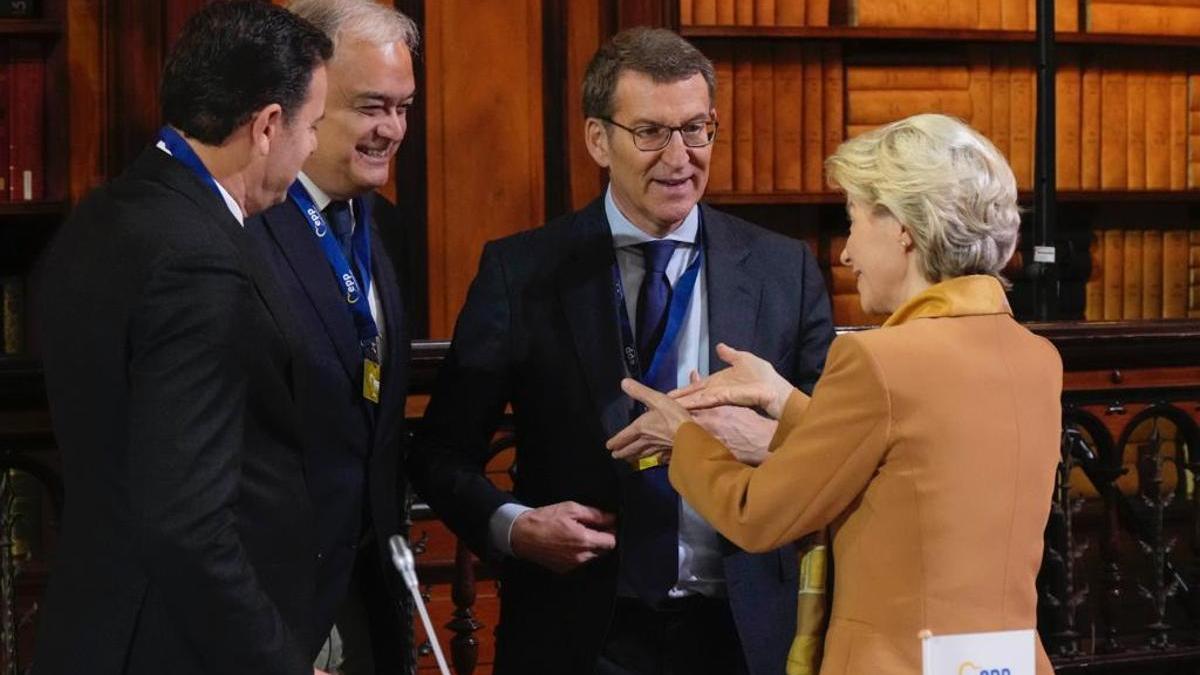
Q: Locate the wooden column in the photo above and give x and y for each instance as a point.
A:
(484, 153)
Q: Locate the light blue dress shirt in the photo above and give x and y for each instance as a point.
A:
(700, 566)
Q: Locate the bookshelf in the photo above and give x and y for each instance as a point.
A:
(993, 76)
(33, 168)
(34, 184)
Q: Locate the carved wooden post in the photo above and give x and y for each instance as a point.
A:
(464, 647)
(8, 575)
(1059, 590)
(1162, 585)
(1110, 573)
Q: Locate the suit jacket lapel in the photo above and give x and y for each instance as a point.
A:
(395, 357)
(586, 289)
(158, 165)
(733, 292)
(292, 235)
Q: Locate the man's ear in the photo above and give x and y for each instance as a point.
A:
(595, 136)
(265, 127)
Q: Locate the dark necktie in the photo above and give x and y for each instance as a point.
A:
(342, 225)
(654, 299)
(650, 517)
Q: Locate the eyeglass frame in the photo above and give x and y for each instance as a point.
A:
(633, 132)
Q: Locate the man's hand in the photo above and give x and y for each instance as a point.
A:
(563, 536)
(748, 381)
(318, 671)
(746, 433)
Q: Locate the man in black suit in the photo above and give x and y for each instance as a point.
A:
(352, 372)
(186, 544)
(643, 281)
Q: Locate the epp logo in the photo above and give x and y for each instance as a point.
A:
(351, 288)
(968, 668)
(318, 224)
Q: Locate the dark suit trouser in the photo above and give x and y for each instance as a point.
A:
(368, 621)
(693, 636)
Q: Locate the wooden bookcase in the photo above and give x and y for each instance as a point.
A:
(1043, 292)
(33, 111)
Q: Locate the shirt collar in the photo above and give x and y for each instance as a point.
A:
(625, 233)
(230, 202)
(320, 199)
(971, 295)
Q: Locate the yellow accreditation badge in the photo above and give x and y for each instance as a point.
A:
(650, 462)
(371, 380)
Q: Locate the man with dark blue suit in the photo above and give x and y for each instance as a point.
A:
(603, 568)
(186, 544)
(324, 247)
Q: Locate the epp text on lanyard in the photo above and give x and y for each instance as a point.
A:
(681, 298)
(356, 294)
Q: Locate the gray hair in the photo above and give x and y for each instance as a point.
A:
(945, 182)
(656, 52)
(359, 19)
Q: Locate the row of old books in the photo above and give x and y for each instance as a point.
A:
(22, 120)
(12, 315)
(969, 14)
(23, 498)
(1143, 274)
(1126, 123)
(1144, 17)
(784, 108)
(1122, 123)
(962, 14)
(754, 12)
(780, 110)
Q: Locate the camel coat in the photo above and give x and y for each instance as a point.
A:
(929, 447)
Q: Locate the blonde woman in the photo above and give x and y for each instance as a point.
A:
(929, 445)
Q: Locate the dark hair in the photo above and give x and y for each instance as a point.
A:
(232, 60)
(656, 52)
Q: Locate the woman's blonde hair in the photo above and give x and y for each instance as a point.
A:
(945, 182)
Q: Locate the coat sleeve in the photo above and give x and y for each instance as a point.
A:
(826, 454)
(188, 389)
(446, 464)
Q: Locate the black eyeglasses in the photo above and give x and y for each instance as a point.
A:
(651, 137)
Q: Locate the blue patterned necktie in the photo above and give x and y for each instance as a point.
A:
(342, 225)
(650, 515)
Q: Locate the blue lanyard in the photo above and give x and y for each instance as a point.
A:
(183, 152)
(355, 295)
(681, 297)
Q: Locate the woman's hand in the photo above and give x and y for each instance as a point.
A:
(748, 381)
(654, 431)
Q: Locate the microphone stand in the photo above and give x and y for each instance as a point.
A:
(402, 558)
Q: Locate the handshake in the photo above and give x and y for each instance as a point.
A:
(724, 403)
(563, 536)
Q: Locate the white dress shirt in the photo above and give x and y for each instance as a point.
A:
(230, 202)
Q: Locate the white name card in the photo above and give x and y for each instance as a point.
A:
(1007, 652)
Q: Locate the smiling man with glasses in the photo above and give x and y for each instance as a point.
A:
(603, 568)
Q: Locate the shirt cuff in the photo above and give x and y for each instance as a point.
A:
(500, 526)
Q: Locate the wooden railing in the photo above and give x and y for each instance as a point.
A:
(1119, 589)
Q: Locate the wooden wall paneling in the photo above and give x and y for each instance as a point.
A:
(88, 124)
(586, 25)
(56, 111)
(408, 244)
(554, 113)
(134, 32)
(484, 159)
(175, 14)
(661, 13)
